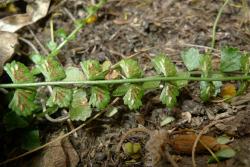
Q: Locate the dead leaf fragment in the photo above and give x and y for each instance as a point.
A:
(58, 154)
(8, 43)
(183, 143)
(228, 90)
(34, 11)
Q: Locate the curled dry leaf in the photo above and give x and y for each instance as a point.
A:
(183, 143)
(8, 25)
(34, 11)
(7, 47)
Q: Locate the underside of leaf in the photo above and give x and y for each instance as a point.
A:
(133, 97)
(18, 72)
(60, 97)
(23, 102)
(131, 68)
(169, 95)
(80, 108)
(100, 97)
(52, 69)
(164, 65)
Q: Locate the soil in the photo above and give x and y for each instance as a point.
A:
(141, 29)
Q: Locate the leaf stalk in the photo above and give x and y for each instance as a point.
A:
(120, 81)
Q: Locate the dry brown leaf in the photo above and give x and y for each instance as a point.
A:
(8, 43)
(34, 11)
(183, 143)
(58, 154)
(114, 74)
(8, 25)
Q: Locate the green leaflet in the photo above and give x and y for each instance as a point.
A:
(106, 65)
(51, 68)
(79, 109)
(243, 87)
(222, 155)
(191, 58)
(60, 97)
(206, 65)
(169, 95)
(163, 65)
(121, 90)
(130, 68)
(30, 140)
(99, 98)
(51, 45)
(18, 72)
(245, 67)
(73, 74)
(245, 63)
(61, 33)
(217, 84)
(182, 83)
(223, 139)
(12, 121)
(93, 70)
(23, 102)
(151, 85)
(133, 97)
(230, 59)
(207, 90)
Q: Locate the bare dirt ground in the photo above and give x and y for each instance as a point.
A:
(141, 29)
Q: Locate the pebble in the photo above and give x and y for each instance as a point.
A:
(100, 156)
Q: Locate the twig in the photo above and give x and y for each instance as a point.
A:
(69, 14)
(56, 120)
(203, 131)
(71, 126)
(4, 91)
(210, 151)
(53, 141)
(200, 46)
(30, 44)
(170, 159)
(45, 51)
(52, 30)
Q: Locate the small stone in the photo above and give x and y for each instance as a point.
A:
(100, 156)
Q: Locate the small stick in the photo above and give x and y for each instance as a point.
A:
(200, 46)
(45, 51)
(71, 126)
(30, 44)
(210, 151)
(69, 14)
(170, 159)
